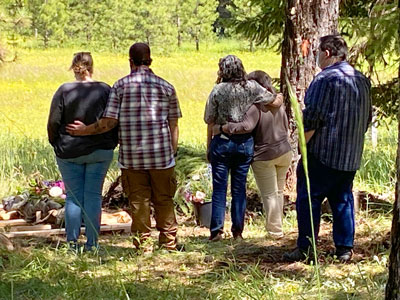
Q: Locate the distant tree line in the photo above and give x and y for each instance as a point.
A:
(110, 23)
(114, 24)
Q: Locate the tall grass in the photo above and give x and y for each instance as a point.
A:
(303, 150)
(377, 172)
(27, 86)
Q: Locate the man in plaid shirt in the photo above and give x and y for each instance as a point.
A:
(146, 109)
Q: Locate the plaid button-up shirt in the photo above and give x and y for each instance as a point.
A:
(338, 108)
(143, 103)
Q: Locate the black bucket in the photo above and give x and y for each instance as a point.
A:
(202, 212)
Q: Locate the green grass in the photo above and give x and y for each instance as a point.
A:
(252, 269)
(27, 86)
(43, 269)
(377, 173)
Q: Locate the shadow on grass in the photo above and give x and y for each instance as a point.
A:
(42, 269)
(76, 286)
(45, 272)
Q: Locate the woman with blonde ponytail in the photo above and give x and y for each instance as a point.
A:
(83, 161)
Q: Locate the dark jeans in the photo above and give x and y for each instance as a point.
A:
(232, 154)
(325, 183)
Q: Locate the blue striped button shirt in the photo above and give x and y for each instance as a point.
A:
(338, 107)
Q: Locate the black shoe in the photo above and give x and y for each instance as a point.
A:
(343, 254)
(296, 255)
(74, 247)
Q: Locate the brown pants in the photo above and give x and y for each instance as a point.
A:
(157, 186)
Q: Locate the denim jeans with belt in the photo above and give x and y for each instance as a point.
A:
(230, 154)
(328, 183)
(83, 178)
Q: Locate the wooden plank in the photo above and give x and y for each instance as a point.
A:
(126, 227)
(61, 231)
(43, 233)
(30, 228)
(15, 222)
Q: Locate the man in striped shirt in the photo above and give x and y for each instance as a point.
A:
(336, 116)
(146, 109)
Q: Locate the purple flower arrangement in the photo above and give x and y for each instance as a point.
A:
(54, 189)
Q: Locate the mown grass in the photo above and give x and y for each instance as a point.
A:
(44, 269)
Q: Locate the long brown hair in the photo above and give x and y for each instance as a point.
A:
(263, 79)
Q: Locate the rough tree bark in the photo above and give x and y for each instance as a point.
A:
(306, 22)
(393, 284)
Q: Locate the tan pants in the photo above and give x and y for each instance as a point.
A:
(158, 187)
(270, 177)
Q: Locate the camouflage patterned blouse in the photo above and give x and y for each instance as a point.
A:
(229, 101)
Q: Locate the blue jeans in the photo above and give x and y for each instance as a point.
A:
(328, 183)
(83, 178)
(232, 154)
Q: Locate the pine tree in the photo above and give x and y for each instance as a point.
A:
(198, 17)
(49, 18)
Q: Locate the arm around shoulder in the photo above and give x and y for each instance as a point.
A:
(248, 124)
(80, 129)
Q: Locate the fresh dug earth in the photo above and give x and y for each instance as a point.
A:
(267, 253)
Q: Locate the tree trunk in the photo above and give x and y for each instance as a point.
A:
(306, 22)
(46, 38)
(178, 24)
(393, 284)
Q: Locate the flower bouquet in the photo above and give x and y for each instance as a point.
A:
(198, 191)
(45, 197)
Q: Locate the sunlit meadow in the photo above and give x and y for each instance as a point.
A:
(44, 269)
